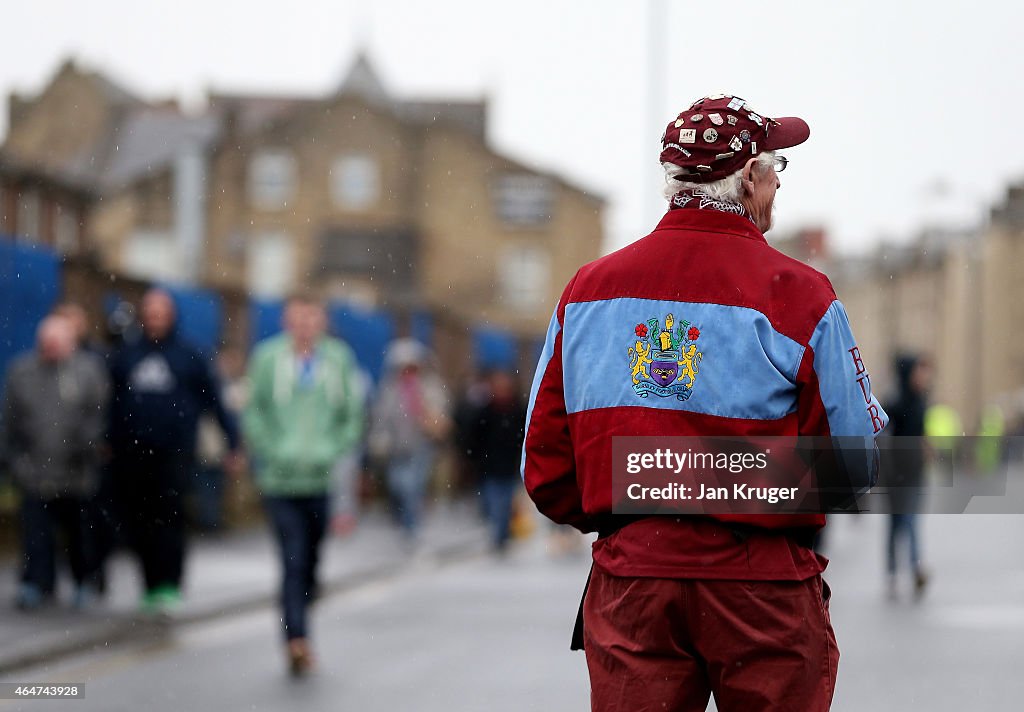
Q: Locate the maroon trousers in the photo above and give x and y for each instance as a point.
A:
(668, 645)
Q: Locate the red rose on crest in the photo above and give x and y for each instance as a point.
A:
(693, 333)
(641, 330)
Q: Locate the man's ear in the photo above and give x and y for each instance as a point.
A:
(748, 174)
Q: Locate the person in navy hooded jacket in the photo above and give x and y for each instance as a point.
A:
(160, 387)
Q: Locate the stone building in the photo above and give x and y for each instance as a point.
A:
(364, 196)
(39, 206)
(954, 295)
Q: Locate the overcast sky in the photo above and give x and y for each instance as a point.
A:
(914, 107)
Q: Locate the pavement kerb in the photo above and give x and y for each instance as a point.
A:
(131, 628)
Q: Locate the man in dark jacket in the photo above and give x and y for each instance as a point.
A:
(904, 463)
(54, 416)
(497, 436)
(161, 385)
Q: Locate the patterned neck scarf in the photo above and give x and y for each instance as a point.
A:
(697, 199)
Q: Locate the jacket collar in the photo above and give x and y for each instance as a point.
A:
(710, 221)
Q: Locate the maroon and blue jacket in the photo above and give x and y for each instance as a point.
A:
(768, 343)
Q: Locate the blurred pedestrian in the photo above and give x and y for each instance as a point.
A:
(85, 338)
(497, 437)
(161, 386)
(904, 467)
(305, 412)
(54, 419)
(475, 394)
(410, 421)
(701, 329)
(103, 515)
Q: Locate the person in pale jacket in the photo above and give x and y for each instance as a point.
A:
(410, 420)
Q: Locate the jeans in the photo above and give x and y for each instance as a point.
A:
(300, 524)
(150, 492)
(42, 521)
(903, 525)
(498, 494)
(408, 475)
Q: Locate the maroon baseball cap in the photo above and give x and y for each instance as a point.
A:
(718, 134)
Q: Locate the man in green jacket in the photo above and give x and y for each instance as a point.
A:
(304, 413)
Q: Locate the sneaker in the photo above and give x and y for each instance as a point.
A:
(85, 596)
(30, 597)
(920, 583)
(161, 599)
(148, 603)
(300, 658)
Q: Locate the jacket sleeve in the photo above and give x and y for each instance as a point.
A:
(548, 462)
(210, 387)
(835, 397)
(258, 411)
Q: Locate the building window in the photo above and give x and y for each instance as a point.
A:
(152, 254)
(270, 268)
(524, 273)
(272, 179)
(355, 182)
(523, 199)
(28, 222)
(66, 231)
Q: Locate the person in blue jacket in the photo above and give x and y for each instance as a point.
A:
(160, 387)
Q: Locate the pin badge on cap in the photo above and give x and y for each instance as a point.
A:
(744, 135)
(755, 118)
(716, 119)
(688, 136)
(735, 143)
(710, 135)
(736, 104)
(732, 120)
(679, 122)
(696, 118)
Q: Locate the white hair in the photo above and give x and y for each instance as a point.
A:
(729, 188)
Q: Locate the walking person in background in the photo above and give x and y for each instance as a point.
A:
(161, 386)
(305, 412)
(102, 516)
(410, 421)
(904, 466)
(54, 418)
(497, 440)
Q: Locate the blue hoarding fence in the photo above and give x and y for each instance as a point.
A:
(494, 348)
(30, 283)
(200, 316)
